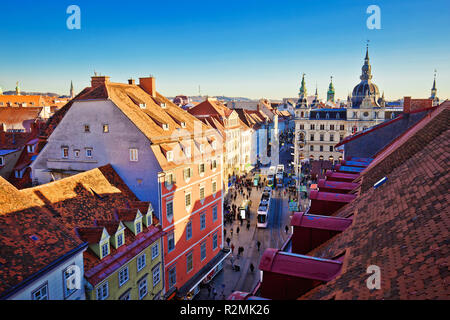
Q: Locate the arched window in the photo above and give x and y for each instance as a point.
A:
(317, 115)
(327, 116)
(337, 115)
(302, 114)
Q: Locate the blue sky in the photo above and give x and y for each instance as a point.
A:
(235, 47)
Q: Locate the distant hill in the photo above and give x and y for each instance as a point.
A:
(23, 93)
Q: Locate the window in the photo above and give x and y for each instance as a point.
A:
(341, 137)
(2, 161)
(201, 168)
(311, 148)
(202, 221)
(155, 250)
(321, 148)
(302, 127)
(41, 293)
(165, 126)
(126, 296)
(183, 124)
(138, 227)
(187, 173)
(203, 251)
(187, 200)
(312, 127)
(214, 145)
(65, 152)
(322, 127)
(123, 276)
(105, 249)
(169, 210)
(189, 230)
(141, 262)
(105, 128)
(76, 153)
(156, 276)
(89, 153)
(169, 156)
(214, 241)
(30, 149)
(331, 148)
(366, 114)
(321, 137)
(87, 128)
(214, 213)
(202, 193)
(119, 239)
(213, 164)
(331, 126)
(312, 137)
(169, 179)
(331, 137)
(342, 127)
(337, 116)
(143, 288)
(202, 149)
(189, 262)
(102, 291)
(133, 154)
(172, 276)
(317, 115)
(214, 186)
(170, 242)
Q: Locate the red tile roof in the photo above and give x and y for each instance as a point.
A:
(402, 226)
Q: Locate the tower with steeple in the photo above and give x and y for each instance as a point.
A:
(72, 93)
(434, 92)
(315, 103)
(330, 93)
(17, 88)
(302, 101)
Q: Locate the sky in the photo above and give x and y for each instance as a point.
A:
(244, 48)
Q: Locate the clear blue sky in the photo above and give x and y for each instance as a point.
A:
(235, 47)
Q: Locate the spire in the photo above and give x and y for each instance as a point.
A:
(330, 93)
(302, 102)
(17, 88)
(302, 87)
(71, 90)
(366, 68)
(434, 89)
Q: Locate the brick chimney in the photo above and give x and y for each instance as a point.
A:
(97, 81)
(131, 81)
(406, 104)
(148, 85)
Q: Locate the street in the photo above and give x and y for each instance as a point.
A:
(274, 236)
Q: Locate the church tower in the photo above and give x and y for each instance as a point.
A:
(434, 92)
(72, 94)
(330, 93)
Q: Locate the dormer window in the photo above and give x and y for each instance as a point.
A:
(165, 126)
(169, 155)
(142, 105)
(149, 219)
(163, 105)
(105, 249)
(65, 152)
(183, 124)
(30, 148)
(119, 239)
(138, 227)
(87, 128)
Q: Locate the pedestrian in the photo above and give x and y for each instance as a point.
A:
(248, 225)
(258, 245)
(286, 228)
(231, 231)
(242, 250)
(237, 231)
(252, 267)
(214, 293)
(232, 248)
(232, 261)
(228, 241)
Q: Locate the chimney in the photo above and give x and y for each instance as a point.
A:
(131, 81)
(148, 85)
(406, 104)
(97, 81)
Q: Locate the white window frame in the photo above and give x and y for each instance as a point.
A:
(102, 245)
(203, 221)
(2, 161)
(189, 230)
(123, 275)
(62, 152)
(169, 156)
(155, 251)
(174, 268)
(156, 275)
(87, 155)
(215, 239)
(39, 289)
(141, 262)
(203, 245)
(169, 237)
(134, 154)
(169, 204)
(191, 255)
(121, 236)
(142, 281)
(215, 216)
(138, 226)
(102, 287)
